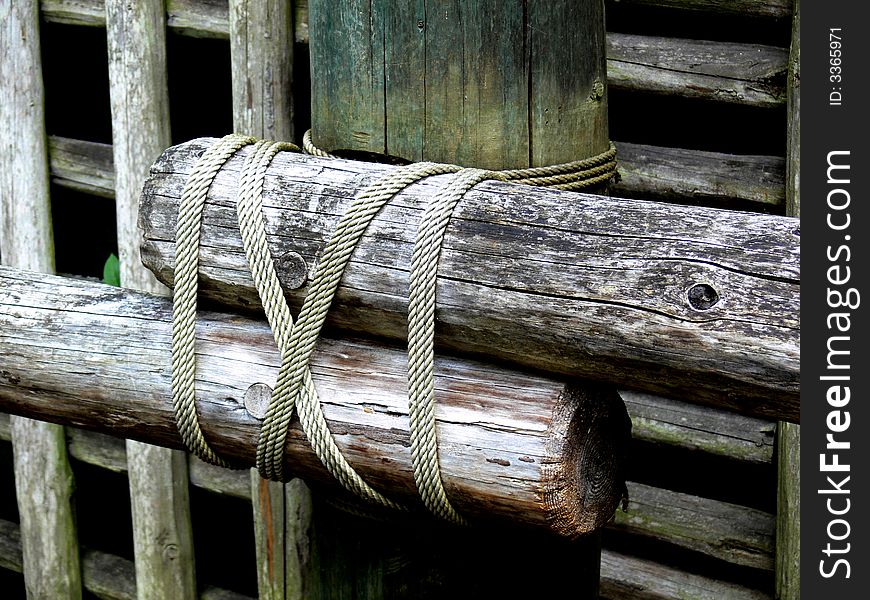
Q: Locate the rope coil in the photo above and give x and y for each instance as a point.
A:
(294, 389)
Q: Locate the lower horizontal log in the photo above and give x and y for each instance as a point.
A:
(526, 448)
(626, 577)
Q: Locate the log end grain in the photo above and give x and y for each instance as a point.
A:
(584, 474)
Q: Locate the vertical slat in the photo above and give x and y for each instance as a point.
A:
(261, 51)
(43, 478)
(162, 535)
(788, 435)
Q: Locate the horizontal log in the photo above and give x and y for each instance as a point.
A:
(580, 285)
(521, 447)
(647, 172)
(735, 534)
(104, 575)
(748, 74)
(626, 577)
(773, 9)
(696, 176)
(82, 166)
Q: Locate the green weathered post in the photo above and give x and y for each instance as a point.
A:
(490, 83)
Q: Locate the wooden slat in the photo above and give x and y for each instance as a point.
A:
(162, 531)
(663, 422)
(788, 436)
(734, 534)
(43, 478)
(82, 166)
(629, 578)
(261, 54)
(747, 74)
(773, 9)
(696, 176)
(650, 172)
(106, 576)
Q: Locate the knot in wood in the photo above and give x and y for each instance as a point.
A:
(702, 296)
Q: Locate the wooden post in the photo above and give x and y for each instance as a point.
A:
(162, 532)
(489, 84)
(43, 477)
(788, 435)
(261, 51)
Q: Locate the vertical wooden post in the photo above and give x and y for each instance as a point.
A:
(261, 50)
(162, 532)
(492, 84)
(788, 435)
(43, 477)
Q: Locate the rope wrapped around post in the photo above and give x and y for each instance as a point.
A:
(296, 341)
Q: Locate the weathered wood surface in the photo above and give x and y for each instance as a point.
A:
(671, 423)
(43, 478)
(696, 176)
(139, 98)
(735, 534)
(647, 172)
(527, 448)
(82, 166)
(106, 576)
(774, 9)
(788, 436)
(495, 91)
(748, 74)
(630, 578)
(570, 283)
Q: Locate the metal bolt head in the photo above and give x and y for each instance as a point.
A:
(257, 400)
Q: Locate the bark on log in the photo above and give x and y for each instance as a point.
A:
(530, 449)
(686, 302)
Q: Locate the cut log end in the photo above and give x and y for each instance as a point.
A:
(584, 474)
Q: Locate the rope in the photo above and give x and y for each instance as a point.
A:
(294, 389)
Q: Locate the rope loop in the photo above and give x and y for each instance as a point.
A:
(294, 390)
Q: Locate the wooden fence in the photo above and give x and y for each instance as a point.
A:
(692, 528)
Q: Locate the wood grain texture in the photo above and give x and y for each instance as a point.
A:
(630, 578)
(139, 98)
(106, 576)
(82, 166)
(646, 172)
(788, 436)
(738, 535)
(747, 74)
(696, 176)
(43, 478)
(735, 534)
(570, 283)
(530, 449)
(478, 84)
(261, 50)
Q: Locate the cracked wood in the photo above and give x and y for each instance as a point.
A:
(686, 302)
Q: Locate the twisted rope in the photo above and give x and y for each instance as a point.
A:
(294, 389)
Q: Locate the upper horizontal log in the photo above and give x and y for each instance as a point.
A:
(527, 448)
(569, 283)
(749, 74)
(648, 172)
(773, 9)
(697, 176)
